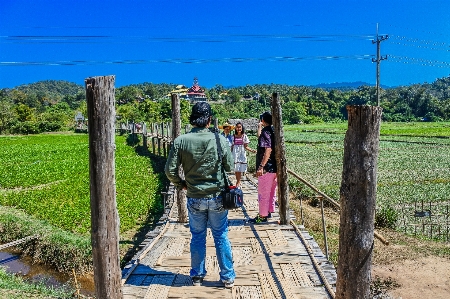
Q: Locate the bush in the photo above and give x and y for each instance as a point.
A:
(47, 126)
(386, 217)
(26, 127)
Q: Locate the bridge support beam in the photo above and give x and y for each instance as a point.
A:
(280, 157)
(104, 216)
(357, 199)
(176, 131)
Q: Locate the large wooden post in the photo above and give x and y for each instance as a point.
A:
(358, 195)
(280, 157)
(104, 217)
(176, 131)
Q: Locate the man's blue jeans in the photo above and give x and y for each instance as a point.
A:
(201, 211)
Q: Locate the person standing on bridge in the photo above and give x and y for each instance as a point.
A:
(239, 147)
(226, 127)
(197, 153)
(266, 169)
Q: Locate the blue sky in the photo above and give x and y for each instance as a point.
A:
(231, 43)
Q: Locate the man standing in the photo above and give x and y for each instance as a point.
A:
(197, 153)
(266, 169)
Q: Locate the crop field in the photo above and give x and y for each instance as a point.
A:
(413, 165)
(47, 176)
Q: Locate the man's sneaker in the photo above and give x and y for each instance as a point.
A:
(258, 219)
(197, 281)
(228, 284)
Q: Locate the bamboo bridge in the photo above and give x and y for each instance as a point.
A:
(271, 260)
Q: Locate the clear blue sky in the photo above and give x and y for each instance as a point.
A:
(231, 43)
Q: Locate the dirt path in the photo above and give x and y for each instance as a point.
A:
(408, 268)
(417, 268)
(426, 277)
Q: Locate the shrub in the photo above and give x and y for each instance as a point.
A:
(47, 126)
(26, 127)
(386, 217)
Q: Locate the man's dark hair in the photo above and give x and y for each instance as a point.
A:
(267, 117)
(200, 115)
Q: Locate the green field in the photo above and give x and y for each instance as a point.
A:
(413, 162)
(413, 165)
(47, 176)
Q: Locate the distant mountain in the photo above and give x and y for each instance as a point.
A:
(346, 85)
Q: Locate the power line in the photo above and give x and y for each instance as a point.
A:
(185, 60)
(191, 38)
(420, 61)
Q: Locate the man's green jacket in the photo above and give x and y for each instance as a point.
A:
(197, 152)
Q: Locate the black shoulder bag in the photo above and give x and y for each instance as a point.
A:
(232, 198)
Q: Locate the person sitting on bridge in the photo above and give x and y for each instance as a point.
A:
(197, 152)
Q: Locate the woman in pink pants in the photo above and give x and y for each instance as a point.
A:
(266, 169)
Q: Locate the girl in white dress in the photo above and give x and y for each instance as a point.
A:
(238, 148)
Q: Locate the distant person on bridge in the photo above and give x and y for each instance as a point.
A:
(239, 145)
(226, 127)
(266, 169)
(197, 153)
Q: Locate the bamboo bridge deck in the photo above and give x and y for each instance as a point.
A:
(271, 260)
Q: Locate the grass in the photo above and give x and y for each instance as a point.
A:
(44, 189)
(15, 287)
(413, 164)
(47, 176)
(409, 168)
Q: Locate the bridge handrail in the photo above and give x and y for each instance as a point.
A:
(333, 202)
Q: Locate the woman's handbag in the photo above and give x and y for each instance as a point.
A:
(232, 197)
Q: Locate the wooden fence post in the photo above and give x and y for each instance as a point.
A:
(154, 133)
(176, 131)
(104, 217)
(357, 199)
(144, 135)
(280, 157)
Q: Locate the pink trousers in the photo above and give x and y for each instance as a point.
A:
(267, 187)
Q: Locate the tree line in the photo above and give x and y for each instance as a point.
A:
(51, 105)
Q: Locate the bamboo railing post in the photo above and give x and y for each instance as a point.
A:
(176, 131)
(216, 124)
(280, 157)
(357, 198)
(324, 225)
(144, 135)
(158, 135)
(104, 216)
(154, 134)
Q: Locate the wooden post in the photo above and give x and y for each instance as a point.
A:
(216, 124)
(144, 135)
(280, 157)
(357, 198)
(176, 131)
(104, 217)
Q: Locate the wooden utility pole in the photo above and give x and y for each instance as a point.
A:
(358, 195)
(379, 58)
(104, 217)
(176, 131)
(280, 157)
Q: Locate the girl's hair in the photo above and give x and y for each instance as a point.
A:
(243, 129)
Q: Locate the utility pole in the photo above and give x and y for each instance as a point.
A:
(379, 58)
